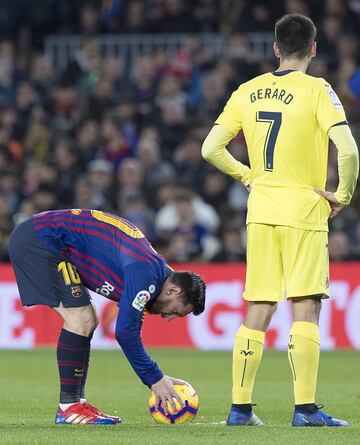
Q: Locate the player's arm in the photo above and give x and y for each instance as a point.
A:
(214, 151)
(228, 124)
(332, 118)
(348, 162)
(348, 167)
(127, 333)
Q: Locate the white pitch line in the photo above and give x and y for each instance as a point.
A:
(208, 423)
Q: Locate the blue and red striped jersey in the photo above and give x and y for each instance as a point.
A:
(114, 259)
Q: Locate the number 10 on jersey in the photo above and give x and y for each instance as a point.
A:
(273, 118)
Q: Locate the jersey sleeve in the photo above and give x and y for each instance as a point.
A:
(230, 118)
(329, 108)
(138, 279)
(348, 162)
(215, 152)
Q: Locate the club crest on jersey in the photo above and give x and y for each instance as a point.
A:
(105, 289)
(76, 291)
(140, 300)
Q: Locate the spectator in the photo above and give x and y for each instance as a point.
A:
(167, 218)
(156, 170)
(233, 244)
(339, 249)
(100, 175)
(121, 130)
(115, 148)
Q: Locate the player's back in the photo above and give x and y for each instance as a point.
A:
(285, 117)
(99, 244)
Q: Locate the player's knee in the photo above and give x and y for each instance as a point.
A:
(95, 321)
(259, 315)
(90, 321)
(307, 309)
(269, 312)
(82, 321)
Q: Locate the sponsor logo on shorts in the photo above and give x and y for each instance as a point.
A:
(76, 291)
(140, 300)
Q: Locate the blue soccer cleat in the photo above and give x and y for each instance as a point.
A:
(76, 414)
(240, 418)
(318, 418)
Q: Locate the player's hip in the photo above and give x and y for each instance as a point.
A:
(298, 210)
(42, 276)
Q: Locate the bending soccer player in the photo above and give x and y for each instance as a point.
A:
(287, 118)
(57, 255)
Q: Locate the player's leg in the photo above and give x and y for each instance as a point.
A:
(73, 351)
(306, 272)
(247, 354)
(247, 351)
(263, 289)
(86, 368)
(304, 350)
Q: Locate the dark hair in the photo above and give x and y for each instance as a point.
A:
(294, 35)
(193, 289)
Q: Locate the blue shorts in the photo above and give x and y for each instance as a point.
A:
(43, 277)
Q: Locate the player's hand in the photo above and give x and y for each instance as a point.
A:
(335, 205)
(165, 392)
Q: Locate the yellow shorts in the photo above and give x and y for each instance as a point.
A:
(284, 259)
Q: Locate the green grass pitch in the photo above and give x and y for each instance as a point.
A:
(29, 390)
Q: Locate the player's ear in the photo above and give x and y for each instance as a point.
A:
(313, 49)
(276, 50)
(173, 290)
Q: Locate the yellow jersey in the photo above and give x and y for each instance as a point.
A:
(285, 117)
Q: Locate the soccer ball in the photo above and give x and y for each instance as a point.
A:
(186, 414)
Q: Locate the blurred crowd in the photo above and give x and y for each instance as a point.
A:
(127, 139)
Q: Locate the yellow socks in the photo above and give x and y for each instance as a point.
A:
(303, 353)
(247, 353)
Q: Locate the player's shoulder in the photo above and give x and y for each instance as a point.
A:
(252, 83)
(316, 82)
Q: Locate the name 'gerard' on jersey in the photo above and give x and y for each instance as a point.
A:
(272, 93)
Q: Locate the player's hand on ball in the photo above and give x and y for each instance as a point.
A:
(335, 205)
(185, 413)
(165, 392)
(178, 381)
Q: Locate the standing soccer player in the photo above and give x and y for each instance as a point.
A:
(57, 255)
(287, 118)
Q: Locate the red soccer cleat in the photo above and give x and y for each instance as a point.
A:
(97, 412)
(77, 414)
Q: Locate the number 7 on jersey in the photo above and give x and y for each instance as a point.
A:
(273, 118)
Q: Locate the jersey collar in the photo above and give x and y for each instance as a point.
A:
(282, 73)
